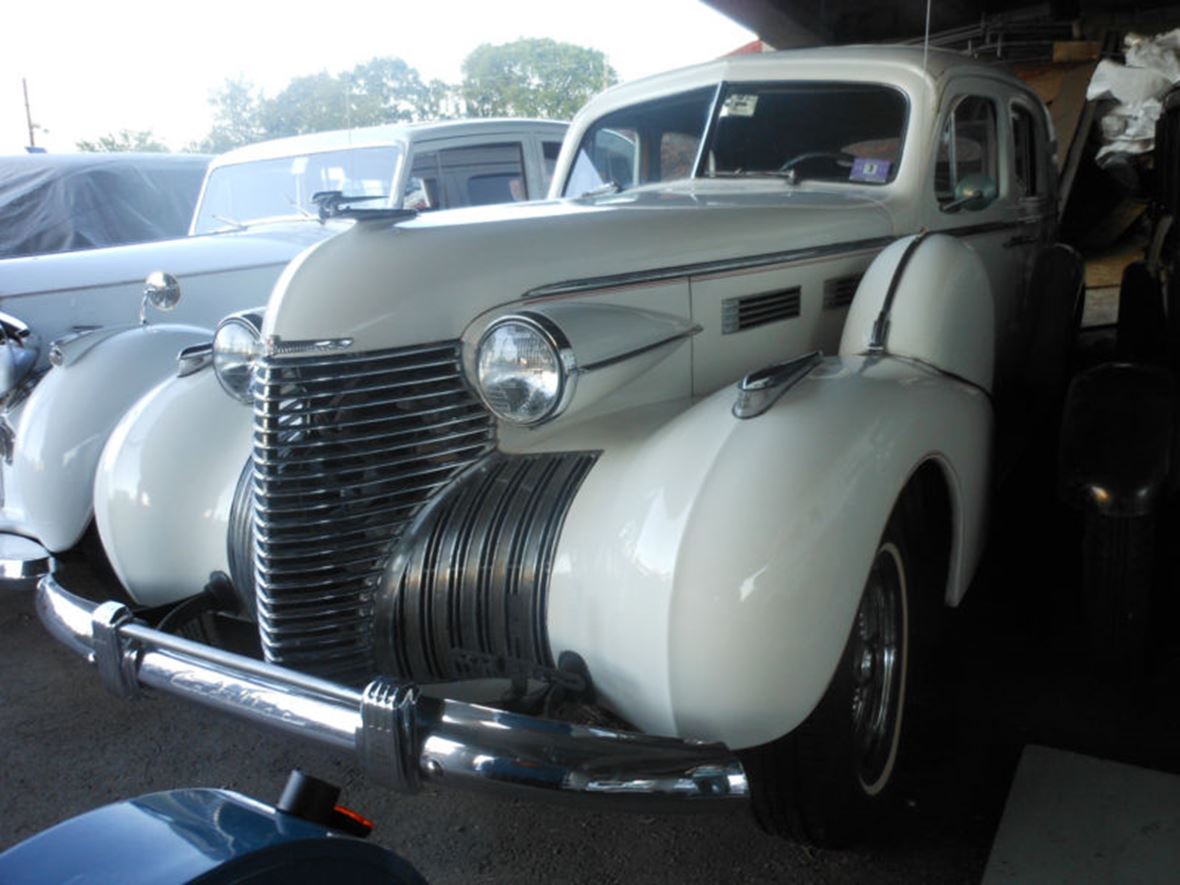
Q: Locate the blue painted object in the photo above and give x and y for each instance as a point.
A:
(197, 835)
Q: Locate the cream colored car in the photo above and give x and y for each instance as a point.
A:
(641, 492)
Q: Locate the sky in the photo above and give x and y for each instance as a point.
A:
(96, 67)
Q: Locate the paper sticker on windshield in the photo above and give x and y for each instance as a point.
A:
(739, 106)
(871, 171)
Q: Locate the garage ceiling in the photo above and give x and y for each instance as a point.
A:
(788, 23)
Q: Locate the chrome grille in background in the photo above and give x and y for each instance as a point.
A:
(346, 450)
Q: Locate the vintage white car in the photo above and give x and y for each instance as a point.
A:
(255, 213)
(642, 492)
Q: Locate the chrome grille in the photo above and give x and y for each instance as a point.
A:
(470, 588)
(346, 451)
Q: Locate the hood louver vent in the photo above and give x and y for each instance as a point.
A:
(751, 311)
(840, 291)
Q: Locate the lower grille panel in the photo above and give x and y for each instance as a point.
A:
(470, 580)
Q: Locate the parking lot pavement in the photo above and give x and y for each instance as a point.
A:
(1008, 673)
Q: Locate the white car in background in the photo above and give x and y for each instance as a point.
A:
(73, 358)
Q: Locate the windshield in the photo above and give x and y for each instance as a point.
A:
(246, 192)
(851, 132)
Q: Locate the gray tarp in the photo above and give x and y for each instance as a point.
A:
(62, 202)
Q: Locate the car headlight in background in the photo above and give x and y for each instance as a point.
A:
(235, 347)
(524, 369)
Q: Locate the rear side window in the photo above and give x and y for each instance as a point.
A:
(1025, 156)
(476, 175)
(967, 146)
(549, 152)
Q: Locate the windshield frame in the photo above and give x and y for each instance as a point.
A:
(726, 87)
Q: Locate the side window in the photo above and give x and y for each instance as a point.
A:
(610, 155)
(424, 185)
(466, 176)
(549, 152)
(1025, 157)
(678, 153)
(483, 174)
(967, 146)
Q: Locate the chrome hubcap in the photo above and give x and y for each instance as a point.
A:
(878, 651)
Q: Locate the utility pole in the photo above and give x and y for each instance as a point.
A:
(28, 114)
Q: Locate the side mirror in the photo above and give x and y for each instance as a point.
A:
(160, 290)
(976, 191)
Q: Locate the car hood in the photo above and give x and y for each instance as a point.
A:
(394, 284)
(263, 244)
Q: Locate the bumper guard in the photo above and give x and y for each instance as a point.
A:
(397, 734)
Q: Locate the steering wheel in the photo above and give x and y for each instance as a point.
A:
(840, 158)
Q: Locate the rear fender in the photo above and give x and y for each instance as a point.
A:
(719, 603)
(61, 428)
(165, 485)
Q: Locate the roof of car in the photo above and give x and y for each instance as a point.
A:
(910, 63)
(378, 136)
(93, 160)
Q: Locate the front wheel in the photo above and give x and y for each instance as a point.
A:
(821, 783)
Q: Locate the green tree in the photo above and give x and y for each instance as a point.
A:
(533, 78)
(236, 118)
(313, 103)
(388, 90)
(381, 90)
(125, 140)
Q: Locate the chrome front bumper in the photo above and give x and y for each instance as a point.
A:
(396, 733)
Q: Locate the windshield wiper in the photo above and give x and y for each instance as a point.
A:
(229, 222)
(787, 176)
(610, 187)
(302, 211)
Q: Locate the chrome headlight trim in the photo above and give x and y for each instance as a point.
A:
(236, 346)
(552, 336)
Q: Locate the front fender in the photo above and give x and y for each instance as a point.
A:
(165, 485)
(62, 426)
(718, 602)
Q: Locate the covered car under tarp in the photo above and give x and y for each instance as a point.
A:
(64, 202)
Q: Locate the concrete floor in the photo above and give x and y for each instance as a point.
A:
(1010, 673)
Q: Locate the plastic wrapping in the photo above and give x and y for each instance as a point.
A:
(1136, 88)
(63, 202)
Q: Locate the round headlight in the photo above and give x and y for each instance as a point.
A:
(235, 347)
(524, 370)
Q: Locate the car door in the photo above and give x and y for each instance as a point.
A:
(973, 139)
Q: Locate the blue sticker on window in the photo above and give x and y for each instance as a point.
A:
(872, 171)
